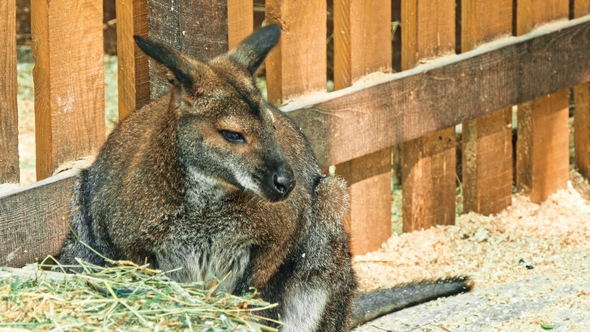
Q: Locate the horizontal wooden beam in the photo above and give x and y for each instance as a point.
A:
(34, 220)
(395, 108)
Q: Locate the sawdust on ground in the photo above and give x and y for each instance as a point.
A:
(526, 240)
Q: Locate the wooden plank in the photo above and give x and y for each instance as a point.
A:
(431, 26)
(369, 219)
(487, 141)
(443, 93)
(542, 162)
(34, 220)
(424, 204)
(580, 8)
(69, 81)
(240, 20)
(297, 65)
(198, 29)
(487, 163)
(582, 128)
(582, 109)
(133, 65)
(542, 168)
(361, 46)
(428, 30)
(9, 169)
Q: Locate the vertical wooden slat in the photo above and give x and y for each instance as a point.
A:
(69, 81)
(487, 142)
(428, 180)
(362, 44)
(369, 219)
(297, 64)
(240, 20)
(428, 163)
(133, 64)
(9, 169)
(542, 165)
(582, 108)
(197, 28)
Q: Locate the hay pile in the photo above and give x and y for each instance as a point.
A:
(123, 297)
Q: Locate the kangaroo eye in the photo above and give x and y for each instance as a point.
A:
(233, 137)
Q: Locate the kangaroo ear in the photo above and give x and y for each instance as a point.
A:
(177, 62)
(254, 49)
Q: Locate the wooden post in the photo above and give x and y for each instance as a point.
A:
(9, 169)
(428, 163)
(297, 64)
(240, 20)
(69, 81)
(582, 108)
(363, 45)
(542, 164)
(133, 66)
(198, 29)
(487, 141)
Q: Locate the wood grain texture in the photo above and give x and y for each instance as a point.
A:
(69, 81)
(582, 128)
(532, 13)
(582, 108)
(428, 30)
(362, 39)
(9, 168)
(34, 220)
(197, 28)
(580, 8)
(297, 65)
(430, 33)
(133, 65)
(428, 181)
(240, 20)
(543, 146)
(487, 163)
(362, 44)
(443, 93)
(369, 219)
(540, 160)
(487, 141)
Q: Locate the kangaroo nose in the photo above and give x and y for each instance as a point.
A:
(283, 182)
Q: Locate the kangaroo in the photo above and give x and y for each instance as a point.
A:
(213, 179)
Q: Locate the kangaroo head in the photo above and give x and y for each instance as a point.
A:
(225, 130)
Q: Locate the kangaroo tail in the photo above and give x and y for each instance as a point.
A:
(368, 306)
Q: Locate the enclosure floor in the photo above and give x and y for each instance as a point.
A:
(553, 238)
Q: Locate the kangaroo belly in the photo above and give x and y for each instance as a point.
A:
(204, 262)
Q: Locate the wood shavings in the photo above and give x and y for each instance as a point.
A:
(553, 238)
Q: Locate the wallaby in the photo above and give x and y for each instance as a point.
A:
(214, 180)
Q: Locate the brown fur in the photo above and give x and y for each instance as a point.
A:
(212, 179)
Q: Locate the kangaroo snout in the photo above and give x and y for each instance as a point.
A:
(283, 182)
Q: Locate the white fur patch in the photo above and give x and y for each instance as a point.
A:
(246, 181)
(303, 309)
(205, 265)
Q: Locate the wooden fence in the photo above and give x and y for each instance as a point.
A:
(462, 62)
